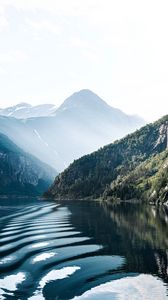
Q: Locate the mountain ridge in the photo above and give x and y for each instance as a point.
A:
(21, 173)
(72, 131)
(92, 175)
(87, 98)
(25, 110)
(78, 97)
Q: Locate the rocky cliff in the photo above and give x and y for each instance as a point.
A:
(20, 172)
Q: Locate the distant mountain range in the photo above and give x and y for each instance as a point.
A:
(135, 167)
(82, 124)
(25, 110)
(20, 172)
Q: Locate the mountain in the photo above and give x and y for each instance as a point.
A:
(82, 124)
(90, 109)
(21, 173)
(149, 180)
(25, 110)
(27, 139)
(133, 167)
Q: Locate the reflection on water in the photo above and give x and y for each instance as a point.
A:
(82, 250)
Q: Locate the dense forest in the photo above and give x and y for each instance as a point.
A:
(133, 167)
(21, 173)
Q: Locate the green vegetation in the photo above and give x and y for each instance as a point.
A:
(21, 173)
(133, 167)
(149, 180)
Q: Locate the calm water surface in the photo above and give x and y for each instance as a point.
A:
(82, 250)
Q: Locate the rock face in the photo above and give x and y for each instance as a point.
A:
(82, 124)
(133, 167)
(21, 173)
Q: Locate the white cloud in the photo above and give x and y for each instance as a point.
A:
(126, 41)
(49, 5)
(2, 70)
(90, 55)
(77, 42)
(13, 57)
(3, 23)
(43, 25)
(87, 50)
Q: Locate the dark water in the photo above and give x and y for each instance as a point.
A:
(82, 250)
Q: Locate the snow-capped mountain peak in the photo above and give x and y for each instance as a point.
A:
(25, 110)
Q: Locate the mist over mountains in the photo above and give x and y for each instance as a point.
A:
(135, 167)
(24, 110)
(22, 173)
(82, 124)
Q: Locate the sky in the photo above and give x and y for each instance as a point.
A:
(50, 49)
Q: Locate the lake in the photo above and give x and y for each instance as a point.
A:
(82, 250)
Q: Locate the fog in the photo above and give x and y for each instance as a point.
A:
(81, 125)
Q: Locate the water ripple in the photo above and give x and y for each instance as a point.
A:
(45, 255)
(39, 245)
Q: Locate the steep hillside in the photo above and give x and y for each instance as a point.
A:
(21, 173)
(121, 169)
(29, 140)
(149, 180)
